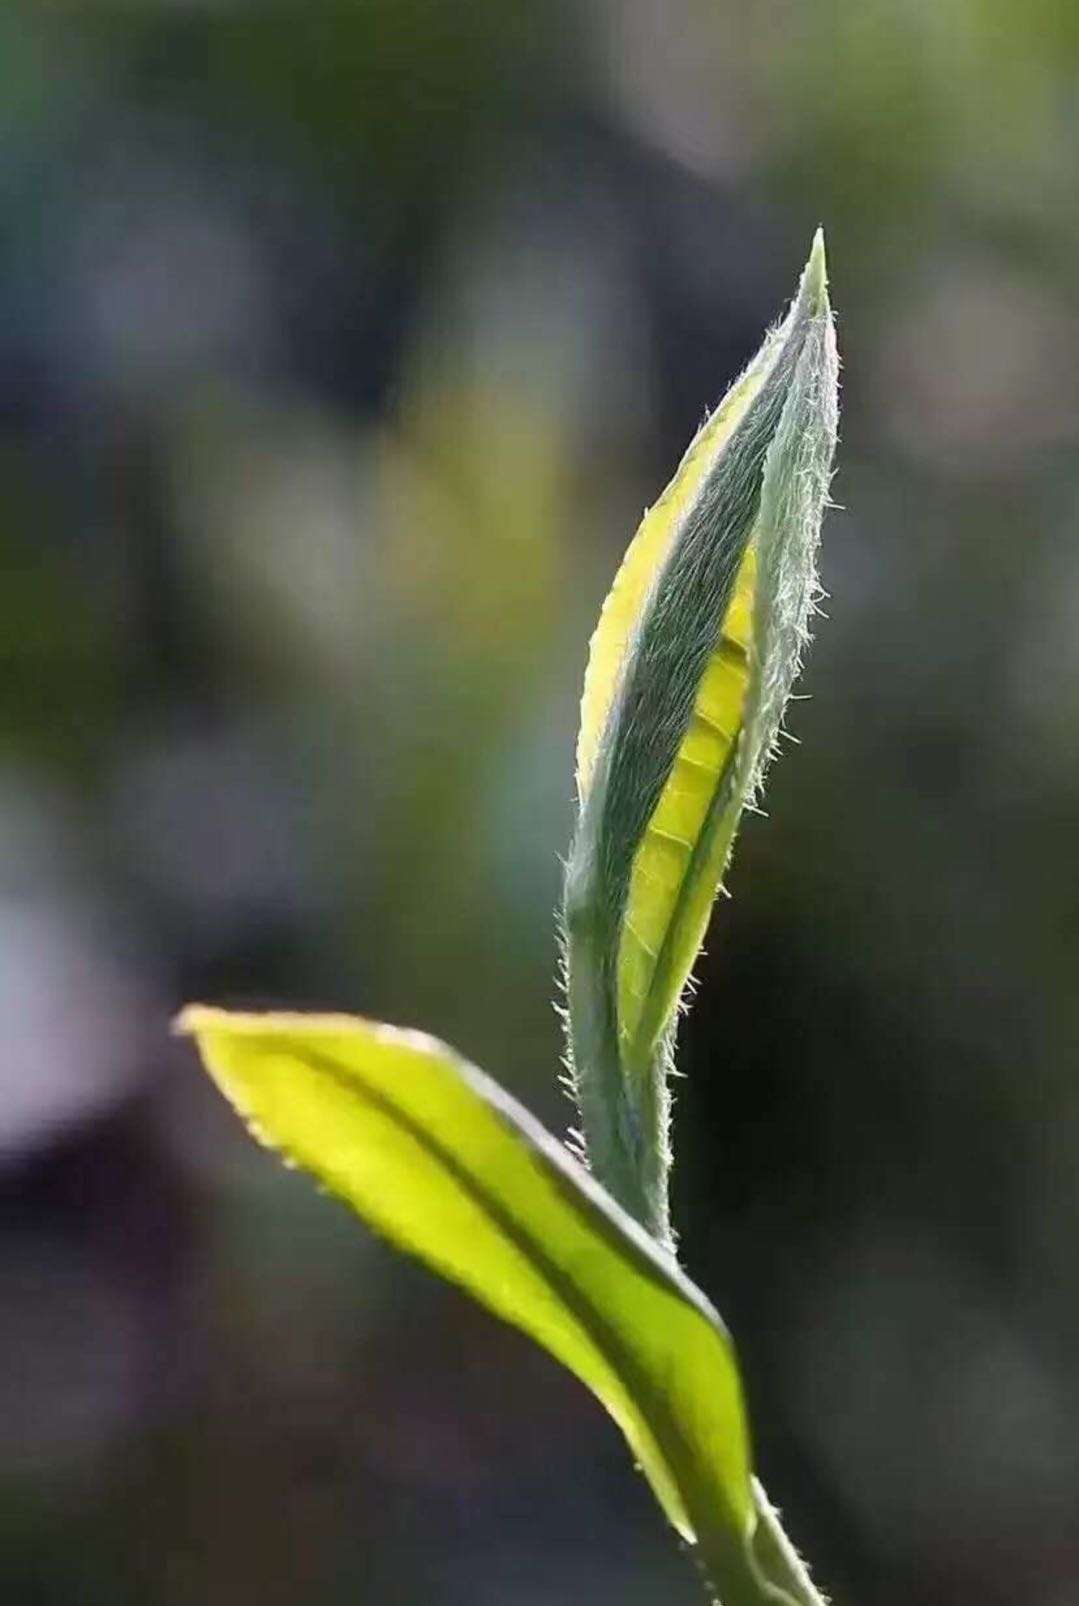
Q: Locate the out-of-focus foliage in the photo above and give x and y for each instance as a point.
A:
(340, 347)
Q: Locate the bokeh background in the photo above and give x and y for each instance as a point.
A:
(340, 349)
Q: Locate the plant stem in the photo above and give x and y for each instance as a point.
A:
(628, 1154)
(625, 1135)
(767, 1571)
(776, 1556)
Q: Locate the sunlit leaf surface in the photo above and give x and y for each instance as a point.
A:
(443, 1163)
(644, 557)
(679, 853)
(692, 661)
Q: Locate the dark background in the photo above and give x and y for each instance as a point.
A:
(340, 348)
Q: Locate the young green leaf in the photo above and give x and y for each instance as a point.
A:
(442, 1162)
(691, 665)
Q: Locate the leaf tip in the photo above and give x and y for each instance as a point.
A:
(194, 1019)
(185, 1023)
(815, 277)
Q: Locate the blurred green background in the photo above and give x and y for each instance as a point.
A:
(340, 349)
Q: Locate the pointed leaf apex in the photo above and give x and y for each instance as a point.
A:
(814, 285)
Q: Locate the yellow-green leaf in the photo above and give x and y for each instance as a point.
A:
(645, 555)
(442, 1162)
(664, 871)
(691, 665)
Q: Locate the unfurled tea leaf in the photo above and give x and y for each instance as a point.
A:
(442, 1162)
